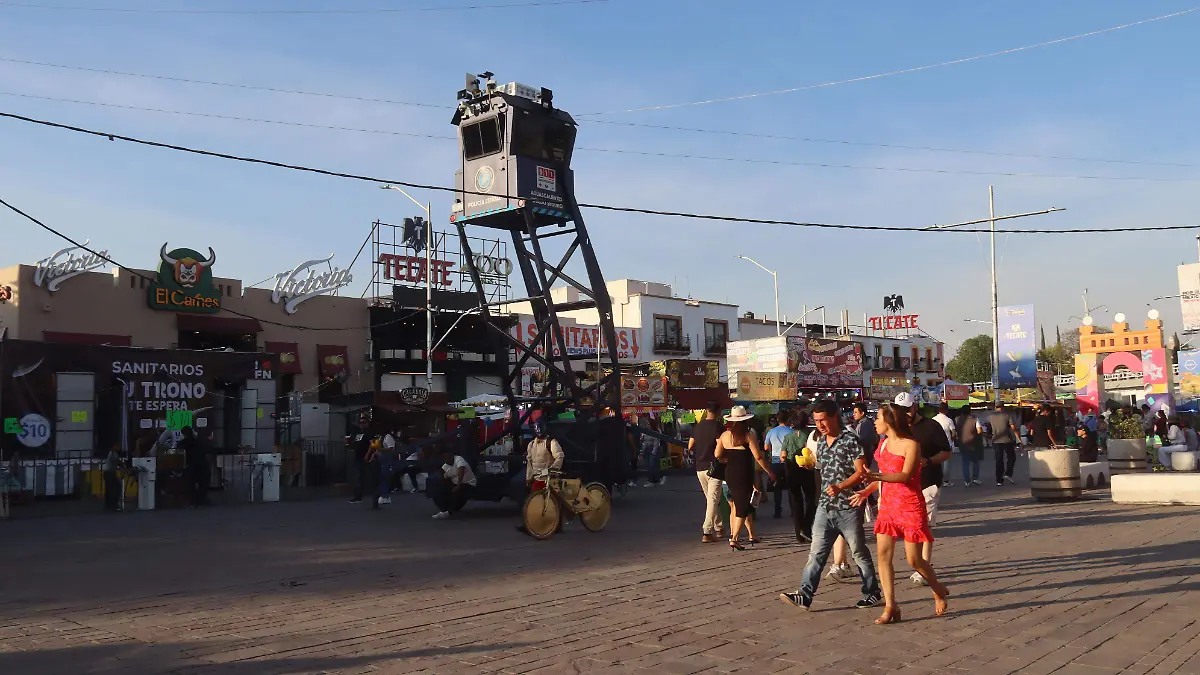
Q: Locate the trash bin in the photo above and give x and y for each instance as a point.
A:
(147, 477)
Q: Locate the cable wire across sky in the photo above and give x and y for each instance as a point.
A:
(602, 207)
(285, 12)
(645, 153)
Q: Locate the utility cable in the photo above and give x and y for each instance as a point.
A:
(139, 275)
(367, 99)
(645, 153)
(603, 207)
(890, 73)
(268, 12)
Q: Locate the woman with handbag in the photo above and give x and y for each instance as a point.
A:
(739, 450)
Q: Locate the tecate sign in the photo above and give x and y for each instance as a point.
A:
(304, 283)
(64, 264)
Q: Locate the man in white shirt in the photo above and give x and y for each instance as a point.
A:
(458, 483)
(1176, 442)
(947, 424)
(387, 466)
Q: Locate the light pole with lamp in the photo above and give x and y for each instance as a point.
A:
(775, 276)
(428, 285)
(995, 357)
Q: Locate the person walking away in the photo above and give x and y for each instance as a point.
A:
(114, 487)
(864, 428)
(947, 424)
(196, 463)
(387, 466)
(1176, 441)
(902, 512)
(703, 445)
(373, 470)
(651, 451)
(799, 472)
(935, 451)
(457, 486)
(361, 444)
(840, 456)
(1004, 442)
(739, 449)
(1089, 447)
(970, 447)
(773, 445)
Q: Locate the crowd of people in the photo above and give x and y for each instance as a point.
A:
(884, 469)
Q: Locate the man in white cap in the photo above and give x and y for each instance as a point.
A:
(935, 450)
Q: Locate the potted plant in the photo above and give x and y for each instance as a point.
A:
(1126, 443)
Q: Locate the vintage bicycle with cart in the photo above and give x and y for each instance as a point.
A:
(560, 500)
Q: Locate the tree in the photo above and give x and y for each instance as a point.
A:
(973, 361)
(1060, 360)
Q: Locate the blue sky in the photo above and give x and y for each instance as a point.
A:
(1120, 95)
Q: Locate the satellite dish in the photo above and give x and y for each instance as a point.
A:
(1087, 320)
(1152, 314)
(1120, 317)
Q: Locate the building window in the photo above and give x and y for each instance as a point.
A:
(878, 355)
(668, 335)
(896, 355)
(929, 360)
(716, 335)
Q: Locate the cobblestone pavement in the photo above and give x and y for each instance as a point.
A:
(327, 587)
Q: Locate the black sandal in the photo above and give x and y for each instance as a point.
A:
(735, 546)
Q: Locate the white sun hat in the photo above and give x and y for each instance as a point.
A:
(738, 414)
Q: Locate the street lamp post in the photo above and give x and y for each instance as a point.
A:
(775, 276)
(806, 312)
(428, 285)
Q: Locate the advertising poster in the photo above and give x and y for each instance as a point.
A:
(1087, 383)
(642, 394)
(765, 355)
(885, 387)
(1156, 374)
(1018, 348)
(1189, 374)
(1189, 295)
(693, 374)
(819, 362)
(766, 387)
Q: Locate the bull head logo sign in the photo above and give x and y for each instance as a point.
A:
(187, 271)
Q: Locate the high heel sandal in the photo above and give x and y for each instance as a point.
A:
(893, 616)
(754, 541)
(735, 546)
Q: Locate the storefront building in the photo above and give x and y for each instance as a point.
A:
(305, 345)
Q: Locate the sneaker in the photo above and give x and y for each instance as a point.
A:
(647, 484)
(977, 482)
(999, 483)
(633, 483)
(385, 500)
(917, 579)
(662, 480)
(441, 516)
(967, 484)
(797, 600)
(1010, 480)
(868, 602)
(413, 491)
(356, 501)
(841, 574)
(948, 483)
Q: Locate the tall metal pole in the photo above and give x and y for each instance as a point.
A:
(995, 302)
(778, 330)
(428, 299)
(1086, 310)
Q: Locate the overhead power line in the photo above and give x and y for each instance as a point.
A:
(645, 153)
(139, 275)
(268, 12)
(603, 207)
(386, 101)
(903, 71)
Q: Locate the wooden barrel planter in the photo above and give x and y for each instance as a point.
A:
(1126, 455)
(1054, 475)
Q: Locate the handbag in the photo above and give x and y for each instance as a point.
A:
(716, 470)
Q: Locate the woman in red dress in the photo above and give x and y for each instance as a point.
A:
(901, 509)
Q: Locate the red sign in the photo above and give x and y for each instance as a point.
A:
(894, 322)
(332, 361)
(411, 268)
(957, 392)
(289, 356)
(825, 363)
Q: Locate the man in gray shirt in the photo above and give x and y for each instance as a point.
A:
(1004, 441)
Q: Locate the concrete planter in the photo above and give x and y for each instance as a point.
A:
(1126, 455)
(1054, 475)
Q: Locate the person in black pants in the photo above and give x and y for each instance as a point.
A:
(1004, 443)
(801, 481)
(196, 460)
(773, 446)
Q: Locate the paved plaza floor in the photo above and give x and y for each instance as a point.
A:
(327, 587)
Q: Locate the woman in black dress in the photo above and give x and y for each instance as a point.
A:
(739, 449)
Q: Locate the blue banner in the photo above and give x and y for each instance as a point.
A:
(1018, 347)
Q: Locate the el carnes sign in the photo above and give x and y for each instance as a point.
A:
(184, 283)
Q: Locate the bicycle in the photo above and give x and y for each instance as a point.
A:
(544, 509)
